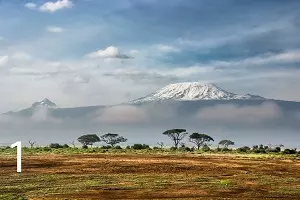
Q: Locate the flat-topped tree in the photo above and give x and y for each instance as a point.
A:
(226, 143)
(112, 139)
(176, 135)
(88, 139)
(200, 139)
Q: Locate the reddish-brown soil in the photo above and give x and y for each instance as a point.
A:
(138, 176)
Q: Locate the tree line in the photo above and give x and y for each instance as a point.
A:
(199, 140)
(176, 135)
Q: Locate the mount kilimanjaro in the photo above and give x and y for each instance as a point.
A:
(193, 91)
(187, 97)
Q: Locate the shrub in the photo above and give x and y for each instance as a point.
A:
(118, 147)
(243, 149)
(289, 151)
(84, 146)
(205, 148)
(226, 150)
(218, 149)
(106, 147)
(140, 146)
(55, 146)
(65, 146)
(128, 147)
(259, 151)
(173, 149)
(46, 149)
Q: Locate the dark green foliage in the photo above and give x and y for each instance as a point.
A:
(88, 139)
(200, 139)
(55, 146)
(244, 149)
(226, 143)
(65, 146)
(106, 147)
(118, 147)
(289, 151)
(128, 147)
(112, 139)
(84, 146)
(176, 135)
(140, 146)
(205, 148)
(46, 149)
(173, 149)
(226, 150)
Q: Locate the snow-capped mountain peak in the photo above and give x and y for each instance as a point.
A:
(191, 91)
(46, 103)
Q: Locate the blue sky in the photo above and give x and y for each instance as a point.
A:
(91, 52)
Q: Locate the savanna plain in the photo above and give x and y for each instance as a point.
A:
(140, 174)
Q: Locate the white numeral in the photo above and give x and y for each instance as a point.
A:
(19, 154)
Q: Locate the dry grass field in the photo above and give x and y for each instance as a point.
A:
(150, 176)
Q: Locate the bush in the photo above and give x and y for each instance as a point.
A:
(106, 147)
(173, 149)
(85, 147)
(46, 149)
(55, 146)
(205, 148)
(244, 149)
(128, 147)
(118, 147)
(140, 146)
(226, 150)
(65, 146)
(289, 151)
(260, 151)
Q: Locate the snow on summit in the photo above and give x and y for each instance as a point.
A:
(191, 91)
(46, 103)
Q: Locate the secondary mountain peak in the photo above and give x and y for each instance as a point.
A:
(191, 91)
(46, 103)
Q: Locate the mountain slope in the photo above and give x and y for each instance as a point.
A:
(27, 112)
(192, 91)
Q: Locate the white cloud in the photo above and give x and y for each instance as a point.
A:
(122, 115)
(234, 113)
(30, 5)
(1, 38)
(167, 48)
(3, 60)
(55, 6)
(54, 29)
(108, 54)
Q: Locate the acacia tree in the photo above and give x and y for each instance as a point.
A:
(112, 139)
(176, 135)
(88, 139)
(226, 143)
(200, 139)
(32, 143)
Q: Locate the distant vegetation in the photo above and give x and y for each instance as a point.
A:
(201, 142)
